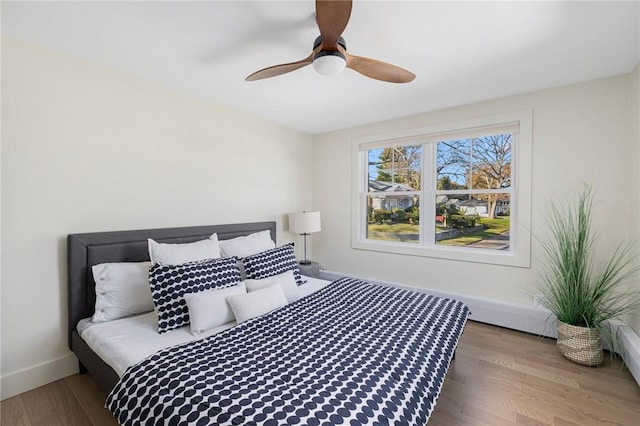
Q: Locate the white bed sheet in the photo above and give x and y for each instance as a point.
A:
(127, 341)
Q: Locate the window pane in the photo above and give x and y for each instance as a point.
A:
(453, 164)
(374, 162)
(393, 218)
(452, 180)
(395, 169)
(477, 163)
(473, 221)
(491, 158)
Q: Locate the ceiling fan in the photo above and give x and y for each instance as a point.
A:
(329, 55)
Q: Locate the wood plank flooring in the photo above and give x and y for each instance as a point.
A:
(499, 377)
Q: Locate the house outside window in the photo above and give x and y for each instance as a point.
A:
(457, 191)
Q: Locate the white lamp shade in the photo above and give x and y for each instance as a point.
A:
(304, 222)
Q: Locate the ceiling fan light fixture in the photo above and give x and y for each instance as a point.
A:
(329, 53)
(329, 62)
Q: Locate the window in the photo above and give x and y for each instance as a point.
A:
(457, 191)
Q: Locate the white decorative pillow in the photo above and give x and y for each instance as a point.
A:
(259, 302)
(286, 281)
(122, 289)
(177, 254)
(209, 309)
(246, 246)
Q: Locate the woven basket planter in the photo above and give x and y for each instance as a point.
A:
(581, 345)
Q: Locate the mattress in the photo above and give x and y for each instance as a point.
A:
(127, 341)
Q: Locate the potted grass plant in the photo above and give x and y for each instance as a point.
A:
(583, 292)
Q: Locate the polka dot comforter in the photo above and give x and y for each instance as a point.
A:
(353, 353)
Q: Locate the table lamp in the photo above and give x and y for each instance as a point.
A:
(304, 223)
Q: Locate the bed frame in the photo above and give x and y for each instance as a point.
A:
(88, 249)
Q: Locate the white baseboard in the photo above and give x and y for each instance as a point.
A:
(530, 319)
(38, 375)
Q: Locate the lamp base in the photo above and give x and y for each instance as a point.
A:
(305, 262)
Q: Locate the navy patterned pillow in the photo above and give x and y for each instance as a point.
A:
(169, 283)
(272, 262)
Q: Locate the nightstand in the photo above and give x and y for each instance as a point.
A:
(310, 270)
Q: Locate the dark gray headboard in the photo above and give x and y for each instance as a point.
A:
(86, 250)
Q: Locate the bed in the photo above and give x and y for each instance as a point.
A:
(348, 352)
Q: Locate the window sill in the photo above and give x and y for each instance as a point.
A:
(476, 255)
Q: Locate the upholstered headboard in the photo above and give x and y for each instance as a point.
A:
(88, 249)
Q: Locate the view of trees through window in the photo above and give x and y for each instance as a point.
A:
(394, 190)
(469, 193)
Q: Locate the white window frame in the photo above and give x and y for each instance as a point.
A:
(519, 253)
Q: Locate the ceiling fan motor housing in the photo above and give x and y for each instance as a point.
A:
(329, 62)
(318, 41)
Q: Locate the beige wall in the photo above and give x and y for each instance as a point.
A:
(87, 149)
(580, 134)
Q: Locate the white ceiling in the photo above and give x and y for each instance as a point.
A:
(461, 52)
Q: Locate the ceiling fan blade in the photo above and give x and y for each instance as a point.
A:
(379, 70)
(333, 17)
(280, 69)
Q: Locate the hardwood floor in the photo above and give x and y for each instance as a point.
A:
(73, 401)
(499, 377)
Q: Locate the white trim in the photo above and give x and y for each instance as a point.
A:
(357, 202)
(24, 380)
(496, 257)
(508, 122)
(529, 319)
(630, 350)
(519, 253)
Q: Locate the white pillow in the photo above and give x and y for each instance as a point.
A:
(177, 254)
(286, 281)
(246, 246)
(122, 289)
(259, 302)
(209, 309)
